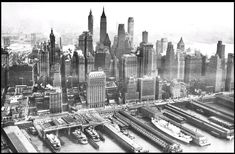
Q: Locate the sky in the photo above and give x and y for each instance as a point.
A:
(197, 23)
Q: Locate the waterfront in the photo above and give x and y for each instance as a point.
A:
(111, 145)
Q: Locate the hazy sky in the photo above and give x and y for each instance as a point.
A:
(196, 22)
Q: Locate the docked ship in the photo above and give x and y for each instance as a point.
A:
(80, 136)
(92, 134)
(53, 142)
(171, 130)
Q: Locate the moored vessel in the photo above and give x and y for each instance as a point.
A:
(80, 136)
(171, 130)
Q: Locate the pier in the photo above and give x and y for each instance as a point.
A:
(209, 127)
(150, 133)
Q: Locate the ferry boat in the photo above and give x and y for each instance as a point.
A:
(92, 134)
(53, 142)
(171, 130)
(80, 136)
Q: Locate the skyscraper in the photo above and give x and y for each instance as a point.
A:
(89, 42)
(90, 23)
(229, 83)
(131, 94)
(180, 65)
(74, 71)
(220, 50)
(55, 102)
(214, 73)
(149, 59)
(4, 68)
(96, 82)
(145, 37)
(120, 50)
(52, 48)
(103, 27)
(129, 67)
(44, 63)
(221, 53)
(147, 88)
(164, 45)
(193, 65)
(170, 62)
(180, 45)
(131, 29)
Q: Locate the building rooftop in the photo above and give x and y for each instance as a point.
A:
(19, 140)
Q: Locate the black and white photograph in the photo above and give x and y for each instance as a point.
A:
(117, 77)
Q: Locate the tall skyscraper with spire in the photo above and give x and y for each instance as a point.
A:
(131, 29)
(103, 27)
(90, 23)
(52, 48)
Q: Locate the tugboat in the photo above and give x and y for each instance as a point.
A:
(92, 134)
(53, 142)
(80, 136)
(171, 130)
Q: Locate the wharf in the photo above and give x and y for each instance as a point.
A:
(211, 111)
(150, 133)
(123, 139)
(210, 127)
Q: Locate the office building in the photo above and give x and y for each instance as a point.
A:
(129, 67)
(44, 61)
(147, 88)
(4, 68)
(89, 42)
(131, 95)
(214, 73)
(130, 29)
(103, 27)
(120, 48)
(52, 48)
(90, 23)
(158, 88)
(55, 102)
(221, 53)
(229, 83)
(170, 68)
(145, 37)
(180, 65)
(193, 66)
(164, 44)
(96, 83)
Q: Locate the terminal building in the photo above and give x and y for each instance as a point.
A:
(17, 140)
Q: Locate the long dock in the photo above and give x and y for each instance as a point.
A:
(198, 139)
(150, 133)
(209, 127)
(211, 111)
(124, 140)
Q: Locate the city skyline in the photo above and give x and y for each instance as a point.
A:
(192, 26)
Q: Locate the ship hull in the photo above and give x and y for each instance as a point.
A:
(170, 133)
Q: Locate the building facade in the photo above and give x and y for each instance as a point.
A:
(96, 83)
(130, 29)
(147, 88)
(229, 84)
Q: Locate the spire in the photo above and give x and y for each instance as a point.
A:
(51, 30)
(103, 14)
(90, 12)
(181, 41)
